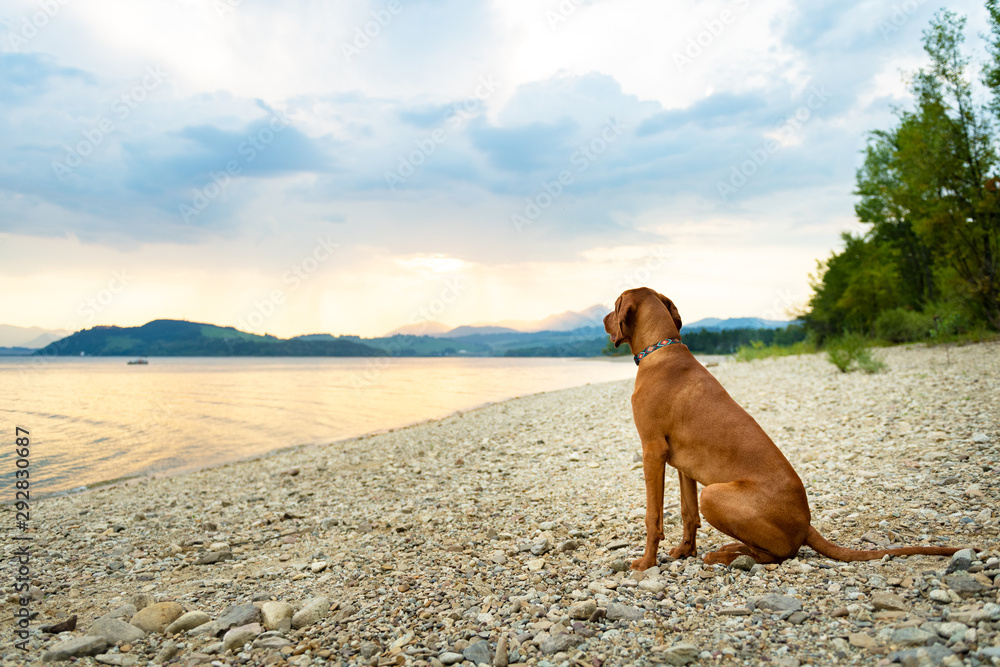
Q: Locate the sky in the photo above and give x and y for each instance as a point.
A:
(352, 167)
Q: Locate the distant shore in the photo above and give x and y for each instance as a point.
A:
(514, 521)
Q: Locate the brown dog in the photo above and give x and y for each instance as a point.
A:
(685, 418)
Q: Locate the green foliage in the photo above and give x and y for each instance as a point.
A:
(177, 338)
(901, 325)
(840, 358)
(757, 350)
(729, 341)
(850, 351)
(991, 70)
(622, 350)
(869, 363)
(930, 190)
(769, 342)
(853, 288)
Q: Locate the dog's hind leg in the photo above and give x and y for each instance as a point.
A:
(765, 526)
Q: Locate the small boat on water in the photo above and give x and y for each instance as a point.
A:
(141, 361)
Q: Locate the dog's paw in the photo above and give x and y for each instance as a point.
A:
(682, 552)
(643, 563)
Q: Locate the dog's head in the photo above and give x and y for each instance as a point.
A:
(620, 324)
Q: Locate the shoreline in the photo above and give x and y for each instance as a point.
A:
(710, 361)
(180, 472)
(350, 403)
(509, 521)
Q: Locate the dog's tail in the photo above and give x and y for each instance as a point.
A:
(827, 548)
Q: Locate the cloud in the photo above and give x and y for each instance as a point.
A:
(28, 77)
(526, 148)
(132, 126)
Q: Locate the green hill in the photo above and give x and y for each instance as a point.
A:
(177, 338)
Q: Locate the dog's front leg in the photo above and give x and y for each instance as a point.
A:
(654, 463)
(690, 517)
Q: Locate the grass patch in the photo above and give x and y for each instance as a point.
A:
(757, 350)
(852, 352)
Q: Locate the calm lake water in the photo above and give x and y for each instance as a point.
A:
(98, 419)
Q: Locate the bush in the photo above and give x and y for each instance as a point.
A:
(900, 325)
(840, 358)
(870, 363)
(850, 350)
(948, 325)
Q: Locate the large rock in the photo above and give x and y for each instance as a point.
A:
(213, 557)
(167, 653)
(75, 648)
(311, 612)
(931, 655)
(234, 616)
(967, 554)
(779, 603)
(271, 639)
(541, 546)
(888, 602)
(500, 658)
(910, 637)
(623, 612)
(236, 638)
(560, 643)
(116, 631)
(124, 612)
(344, 613)
(188, 621)
(582, 610)
(156, 617)
(681, 654)
(277, 615)
(478, 653)
(861, 640)
(964, 585)
(652, 585)
(951, 629)
(569, 546)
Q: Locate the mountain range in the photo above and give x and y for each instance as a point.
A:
(428, 339)
(29, 337)
(567, 321)
(167, 338)
(570, 321)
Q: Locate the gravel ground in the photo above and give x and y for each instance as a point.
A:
(501, 536)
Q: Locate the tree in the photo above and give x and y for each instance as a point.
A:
(930, 189)
(887, 204)
(948, 159)
(853, 287)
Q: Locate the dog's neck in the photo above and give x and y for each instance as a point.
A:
(653, 328)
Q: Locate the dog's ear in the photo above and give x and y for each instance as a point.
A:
(673, 310)
(624, 310)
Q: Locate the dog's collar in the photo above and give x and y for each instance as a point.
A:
(654, 347)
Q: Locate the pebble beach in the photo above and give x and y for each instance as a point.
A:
(502, 536)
